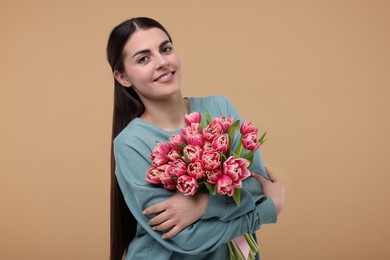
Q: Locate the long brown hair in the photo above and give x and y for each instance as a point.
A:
(127, 106)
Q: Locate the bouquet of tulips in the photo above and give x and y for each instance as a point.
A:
(202, 159)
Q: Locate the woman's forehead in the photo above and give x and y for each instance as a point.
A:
(145, 39)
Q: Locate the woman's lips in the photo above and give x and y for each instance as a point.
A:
(166, 77)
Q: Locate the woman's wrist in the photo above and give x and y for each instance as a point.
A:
(202, 200)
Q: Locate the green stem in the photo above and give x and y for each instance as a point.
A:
(238, 150)
(231, 252)
(237, 251)
(251, 242)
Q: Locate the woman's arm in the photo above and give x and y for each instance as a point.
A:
(180, 211)
(177, 213)
(191, 240)
(130, 171)
(273, 188)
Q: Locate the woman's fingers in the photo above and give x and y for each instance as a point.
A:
(173, 232)
(160, 218)
(156, 208)
(177, 212)
(259, 178)
(165, 225)
(272, 188)
(272, 177)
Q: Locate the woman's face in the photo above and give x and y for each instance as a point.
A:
(152, 66)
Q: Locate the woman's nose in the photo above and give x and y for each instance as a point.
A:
(161, 61)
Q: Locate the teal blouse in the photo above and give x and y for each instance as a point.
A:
(223, 221)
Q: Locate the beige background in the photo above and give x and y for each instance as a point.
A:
(314, 74)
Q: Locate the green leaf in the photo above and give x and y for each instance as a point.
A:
(234, 127)
(237, 196)
(249, 156)
(223, 157)
(211, 188)
(238, 150)
(187, 159)
(181, 146)
(262, 138)
(231, 140)
(231, 132)
(235, 155)
(208, 118)
(201, 125)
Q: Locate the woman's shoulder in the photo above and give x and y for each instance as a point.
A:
(140, 136)
(131, 135)
(217, 98)
(215, 105)
(213, 101)
(126, 133)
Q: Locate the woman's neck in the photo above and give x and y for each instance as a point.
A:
(167, 114)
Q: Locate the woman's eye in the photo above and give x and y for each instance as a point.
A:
(166, 49)
(143, 59)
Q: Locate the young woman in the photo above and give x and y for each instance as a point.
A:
(149, 222)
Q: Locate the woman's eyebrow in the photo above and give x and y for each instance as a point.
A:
(147, 50)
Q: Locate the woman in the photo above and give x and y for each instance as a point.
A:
(148, 222)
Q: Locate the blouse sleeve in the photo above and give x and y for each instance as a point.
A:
(138, 195)
(252, 196)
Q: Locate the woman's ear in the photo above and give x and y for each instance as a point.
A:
(122, 79)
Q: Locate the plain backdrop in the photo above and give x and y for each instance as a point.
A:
(314, 74)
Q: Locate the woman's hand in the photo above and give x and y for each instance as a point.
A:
(177, 212)
(273, 188)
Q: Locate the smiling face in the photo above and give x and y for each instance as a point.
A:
(152, 67)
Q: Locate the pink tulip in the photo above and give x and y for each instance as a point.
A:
(165, 176)
(176, 168)
(221, 143)
(212, 131)
(236, 168)
(194, 117)
(250, 141)
(173, 155)
(237, 184)
(175, 140)
(213, 176)
(153, 175)
(196, 170)
(196, 140)
(192, 152)
(167, 179)
(224, 186)
(187, 184)
(159, 154)
(192, 129)
(211, 160)
(247, 127)
(207, 146)
(192, 135)
(170, 186)
(224, 121)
